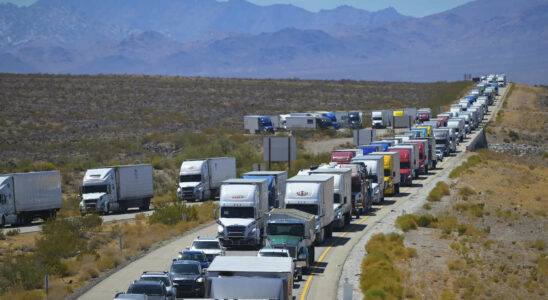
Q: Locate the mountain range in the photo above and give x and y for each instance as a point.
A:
(238, 39)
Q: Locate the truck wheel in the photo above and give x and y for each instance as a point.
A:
(397, 188)
(3, 223)
(329, 231)
(347, 219)
(52, 214)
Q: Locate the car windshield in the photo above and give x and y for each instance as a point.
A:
(212, 245)
(185, 269)
(147, 289)
(163, 279)
(237, 212)
(307, 208)
(193, 256)
(88, 189)
(273, 254)
(191, 178)
(285, 229)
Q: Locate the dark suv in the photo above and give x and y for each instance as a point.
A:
(187, 278)
(155, 290)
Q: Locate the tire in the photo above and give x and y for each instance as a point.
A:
(397, 189)
(3, 223)
(426, 170)
(347, 219)
(52, 214)
(329, 231)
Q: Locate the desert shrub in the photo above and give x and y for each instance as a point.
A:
(446, 223)
(513, 135)
(466, 192)
(539, 244)
(407, 222)
(20, 269)
(475, 209)
(412, 221)
(171, 214)
(13, 232)
(467, 165)
(441, 189)
(380, 279)
(2, 235)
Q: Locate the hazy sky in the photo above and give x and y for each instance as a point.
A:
(417, 8)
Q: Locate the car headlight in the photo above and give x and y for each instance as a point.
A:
(220, 229)
(200, 280)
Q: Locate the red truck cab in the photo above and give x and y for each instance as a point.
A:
(342, 157)
(424, 116)
(405, 166)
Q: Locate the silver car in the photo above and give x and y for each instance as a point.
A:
(160, 276)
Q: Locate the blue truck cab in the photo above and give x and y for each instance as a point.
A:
(470, 99)
(369, 149)
(265, 123)
(334, 124)
(383, 144)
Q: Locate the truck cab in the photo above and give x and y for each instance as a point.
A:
(292, 230)
(193, 183)
(98, 190)
(355, 119)
(243, 203)
(375, 166)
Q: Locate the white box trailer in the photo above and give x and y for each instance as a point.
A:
(246, 277)
(342, 193)
(117, 188)
(375, 169)
(277, 182)
(313, 194)
(201, 179)
(300, 122)
(27, 196)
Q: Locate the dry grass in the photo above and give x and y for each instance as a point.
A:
(494, 229)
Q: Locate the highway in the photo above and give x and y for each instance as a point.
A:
(324, 281)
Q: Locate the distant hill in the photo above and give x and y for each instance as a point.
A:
(239, 39)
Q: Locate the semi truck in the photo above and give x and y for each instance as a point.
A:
(391, 171)
(424, 114)
(458, 124)
(313, 194)
(276, 185)
(381, 118)
(375, 167)
(249, 277)
(442, 140)
(116, 188)
(242, 206)
(406, 166)
(200, 179)
(415, 157)
(27, 196)
(355, 119)
(294, 230)
(258, 124)
(342, 194)
(361, 189)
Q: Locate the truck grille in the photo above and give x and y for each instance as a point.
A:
(188, 192)
(236, 231)
(90, 203)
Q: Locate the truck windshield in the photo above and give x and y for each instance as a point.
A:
(273, 254)
(285, 229)
(404, 165)
(441, 141)
(266, 123)
(88, 189)
(353, 117)
(191, 178)
(237, 212)
(377, 118)
(307, 208)
(336, 198)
